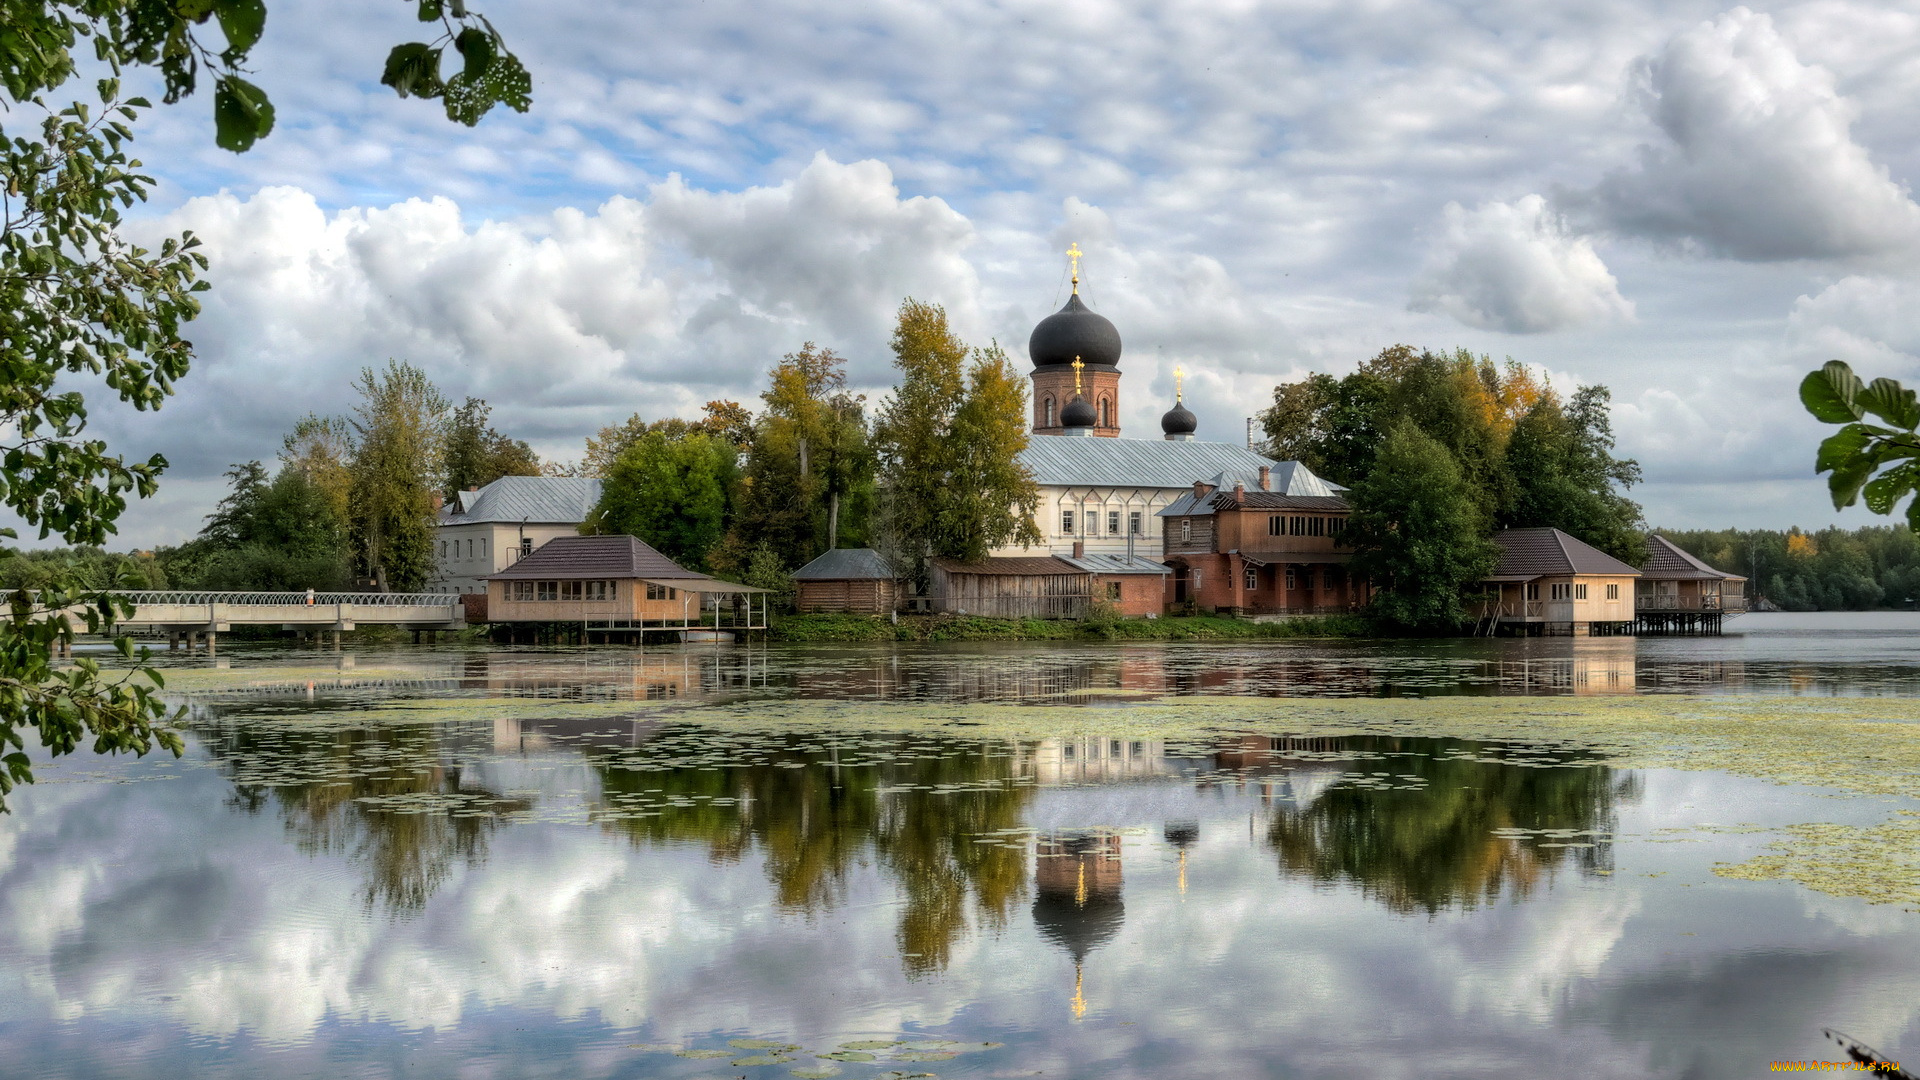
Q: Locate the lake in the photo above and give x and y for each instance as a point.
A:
(1667, 857)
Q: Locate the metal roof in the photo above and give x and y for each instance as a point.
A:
(847, 564)
(1532, 553)
(547, 500)
(1064, 461)
(1012, 566)
(1116, 564)
(594, 557)
(1668, 561)
(1190, 505)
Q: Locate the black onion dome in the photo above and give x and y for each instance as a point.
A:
(1074, 330)
(1178, 421)
(1078, 414)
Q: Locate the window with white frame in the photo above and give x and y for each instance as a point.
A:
(1133, 522)
(1066, 522)
(1186, 530)
(1253, 579)
(1292, 581)
(1113, 523)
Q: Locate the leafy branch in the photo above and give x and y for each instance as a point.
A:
(1860, 449)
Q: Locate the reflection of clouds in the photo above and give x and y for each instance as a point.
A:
(154, 902)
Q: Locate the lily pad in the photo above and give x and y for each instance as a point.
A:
(848, 1055)
(761, 1059)
(761, 1044)
(702, 1053)
(870, 1044)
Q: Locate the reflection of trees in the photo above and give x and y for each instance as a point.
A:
(1431, 847)
(390, 799)
(812, 819)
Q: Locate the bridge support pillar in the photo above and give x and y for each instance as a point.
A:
(213, 640)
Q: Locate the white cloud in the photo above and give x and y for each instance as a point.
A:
(1759, 159)
(1517, 267)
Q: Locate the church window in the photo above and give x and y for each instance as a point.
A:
(1066, 522)
(1113, 523)
(1049, 409)
(1253, 579)
(1186, 530)
(1106, 413)
(1291, 582)
(1133, 522)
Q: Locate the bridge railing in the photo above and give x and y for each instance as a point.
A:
(317, 599)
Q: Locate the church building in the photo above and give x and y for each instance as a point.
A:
(1101, 493)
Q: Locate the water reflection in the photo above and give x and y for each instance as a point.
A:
(395, 801)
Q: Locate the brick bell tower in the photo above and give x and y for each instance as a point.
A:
(1076, 354)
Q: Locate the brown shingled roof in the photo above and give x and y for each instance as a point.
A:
(568, 558)
(1669, 562)
(1532, 553)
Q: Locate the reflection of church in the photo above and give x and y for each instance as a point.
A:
(1077, 903)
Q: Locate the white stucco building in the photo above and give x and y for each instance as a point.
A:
(485, 531)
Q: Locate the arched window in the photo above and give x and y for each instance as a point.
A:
(1106, 413)
(1049, 420)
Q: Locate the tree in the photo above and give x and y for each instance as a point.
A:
(1417, 533)
(674, 493)
(399, 432)
(320, 448)
(949, 442)
(477, 455)
(726, 419)
(809, 459)
(1563, 476)
(77, 301)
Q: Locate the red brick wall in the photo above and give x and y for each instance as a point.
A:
(1140, 594)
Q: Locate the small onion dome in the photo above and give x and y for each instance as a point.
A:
(1078, 414)
(1179, 421)
(1074, 331)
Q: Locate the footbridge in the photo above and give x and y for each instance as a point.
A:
(206, 615)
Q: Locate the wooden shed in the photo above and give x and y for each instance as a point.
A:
(1031, 587)
(847, 579)
(617, 584)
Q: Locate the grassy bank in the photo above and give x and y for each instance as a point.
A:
(819, 628)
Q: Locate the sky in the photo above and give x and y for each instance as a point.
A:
(1691, 204)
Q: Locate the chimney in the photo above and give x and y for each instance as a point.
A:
(1202, 489)
(474, 487)
(1239, 494)
(1266, 478)
(1079, 549)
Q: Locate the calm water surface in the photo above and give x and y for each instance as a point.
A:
(310, 896)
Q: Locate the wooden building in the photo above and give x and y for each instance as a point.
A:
(1679, 593)
(1550, 583)
(1256, 551)
(1023, 587)
(617, 585)
(847, 579)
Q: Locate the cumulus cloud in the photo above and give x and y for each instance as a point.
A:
(1517, 267)
(1759, 160)
(563, 321)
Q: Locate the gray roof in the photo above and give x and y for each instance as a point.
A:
(1530, 553)
(1190, 505)
(1116, 564)
(1668, 561)
(547, 500)
(1012, 566)
(847, 564)
(1064, 461)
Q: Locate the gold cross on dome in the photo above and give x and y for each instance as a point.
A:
(1077, 365)
(1074, 253)
(1178, 373)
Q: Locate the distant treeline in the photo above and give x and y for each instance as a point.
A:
(1830, 570)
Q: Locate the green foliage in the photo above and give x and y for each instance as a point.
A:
(810, 467)
(274, 535)
(83, 568)
(1527, 458)
(477, 455)
(399, 435)
(1417, 532)
(674, 493)
(1860, 450)
(949, 442)
(766, 570)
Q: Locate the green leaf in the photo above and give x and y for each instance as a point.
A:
(430, 10)
(1883, 492)
(1891, 402)
(477, 48)
(413, 70)
(1830, 393)
(241, 114)
(1843, 449)
(243, 21)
